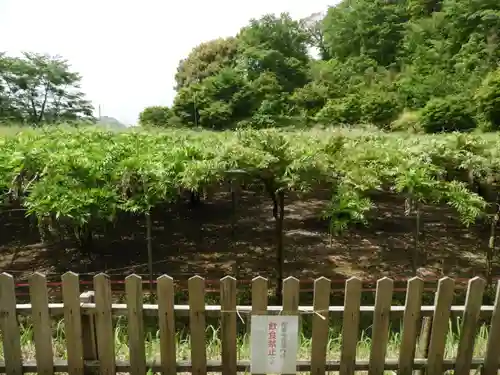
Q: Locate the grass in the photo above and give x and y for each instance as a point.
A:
(152, 343)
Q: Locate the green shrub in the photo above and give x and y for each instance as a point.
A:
(340, 111)
(373, 107)
(155, 116)
(487, 99)
(447, 114)
(379, 108)
(408, 121)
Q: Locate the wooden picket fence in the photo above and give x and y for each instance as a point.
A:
(88, 320)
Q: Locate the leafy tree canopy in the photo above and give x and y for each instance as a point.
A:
(378, 60)
(155, 116)
(38, 88)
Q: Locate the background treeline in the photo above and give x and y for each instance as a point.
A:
(422, 65)
(38, 89)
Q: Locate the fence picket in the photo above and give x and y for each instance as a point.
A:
(104, 324)
(8, 326)
(42, 328)
(473, 302)
(165, 290)
(442, 303)
(350, 325)
(228, 324)
(133, 290)
(291, 288)
(320, 325)
(196, 287)
(73, 322)
(383, 300)
(259, 298)
(491, 358)
(411, 318)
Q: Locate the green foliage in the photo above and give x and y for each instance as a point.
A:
(36, 89)
(216, 103)
(378, 107)
(346, 208)
(155, 116)
(408, 121)
(365, 28)
(206, 60)
(82, 176)
(488, 98)
(447, 115)
(250, 77)
(377, 59)
(340, 111)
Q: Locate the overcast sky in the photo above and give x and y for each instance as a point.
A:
(128, 51)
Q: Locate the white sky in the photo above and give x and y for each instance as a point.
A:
(128, 51)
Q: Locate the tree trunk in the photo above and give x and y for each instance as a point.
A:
(280, 256)
(149, 226)
(491, 249)
(416, 248)
(278, 199)
(234, 204)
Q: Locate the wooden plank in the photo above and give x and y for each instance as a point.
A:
(259, 298)
(291, 288)
(73, 322)
(165, 290)
(321, 302)
(104, 324)
(468, 333)
(228, 325)
(350, 325)
(9, 328)
(442, 303)
(133, 290)
(196, 290)
(411, 318)
(89, 336)
(380, 336)
(42, 326)
(491, 358)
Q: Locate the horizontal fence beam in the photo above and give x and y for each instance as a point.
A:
(244, 365)
(119, 309)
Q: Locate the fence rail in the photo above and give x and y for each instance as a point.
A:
(90, 345)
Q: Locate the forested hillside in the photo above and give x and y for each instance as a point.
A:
(428, 65)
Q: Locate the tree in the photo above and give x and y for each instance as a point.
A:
(314, 26)
(205, 60)
(488, 98)
(216, 103)
(378, 59)
(277, 45)
(38, 88)
(155, 116)
(365, 27)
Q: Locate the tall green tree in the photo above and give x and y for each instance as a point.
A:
(205, 60)
(373, 28)
(39, 88)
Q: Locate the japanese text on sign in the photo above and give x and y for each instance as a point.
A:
(274, 342)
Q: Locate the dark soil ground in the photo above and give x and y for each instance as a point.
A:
(203, 241)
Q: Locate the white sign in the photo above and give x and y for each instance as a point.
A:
(274, 344)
